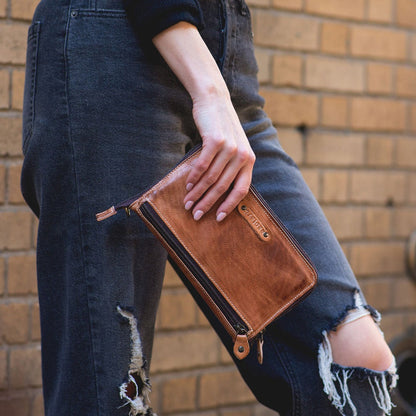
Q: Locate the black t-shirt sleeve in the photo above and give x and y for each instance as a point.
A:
(150, 17)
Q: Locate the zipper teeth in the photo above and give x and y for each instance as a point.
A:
(147, 210)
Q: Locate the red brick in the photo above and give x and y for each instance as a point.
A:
(346, 222)
(3, 370)
(177, 310)
(291, 109)
(380, 151)
(369, 259)
(375, 42)
(378, 187)
(14, 319)
(23, 9)
(25, 368)
(288, 4)
(16, 406)
(405, 13)
(182, 350)
(291, 141)
(335, 149)
(378, 292)
(378, 114)
(335, 186)
(334, 74)
(2, 183)
(13, 38)
(22, 275)
(380, 11)
(406, 81)
(406, 152)
(14, 193)
(179, 394)
(223, 388)
(334, 38)
(263, 59)
(287, 70)
(379, 78)
(11, 136)
(16, 230)
(285, 31)
(352, 9)
(378, 222)
(4, 89)
(18, 83)
(334, 111)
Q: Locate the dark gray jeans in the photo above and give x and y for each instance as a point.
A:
(104, 118)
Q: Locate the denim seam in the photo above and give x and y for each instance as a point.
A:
(66, 61)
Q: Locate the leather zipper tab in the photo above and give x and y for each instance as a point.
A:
(241, 346)
(106, 214)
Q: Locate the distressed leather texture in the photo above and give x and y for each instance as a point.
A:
(249, 257)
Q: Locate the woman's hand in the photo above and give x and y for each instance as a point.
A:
(226, 159)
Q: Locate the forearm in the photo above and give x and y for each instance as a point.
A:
(187, 55)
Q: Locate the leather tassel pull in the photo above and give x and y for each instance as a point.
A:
(241, 346)
(106, 214)
(260, 342)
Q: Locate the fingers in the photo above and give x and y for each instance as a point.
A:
(230, 166)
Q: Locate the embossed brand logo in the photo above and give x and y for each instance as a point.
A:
(254, 222)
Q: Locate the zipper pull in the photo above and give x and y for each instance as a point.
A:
(241, 345)
(106, 214)
(260, 342)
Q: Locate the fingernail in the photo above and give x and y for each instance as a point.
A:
(189, 186)
(188, 205)
(221, 216)
(198, 214)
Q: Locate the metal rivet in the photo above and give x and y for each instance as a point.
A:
(240, 348)
(265, 235)
(243, 207)
(74, 13)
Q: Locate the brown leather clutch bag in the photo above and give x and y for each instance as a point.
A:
(248, 268)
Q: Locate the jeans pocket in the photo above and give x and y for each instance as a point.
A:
(30, 83)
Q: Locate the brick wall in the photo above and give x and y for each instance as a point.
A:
(339, 78)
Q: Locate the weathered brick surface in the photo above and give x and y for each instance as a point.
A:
(14, 323)
(405, 13)
(16, 233)
(35, 323)
(3, 369)
(291, 109)
(291, 141)
(287, 70)
(353, 9)
(334, 74)
(334, 38)
(23, 9)
(334, 111)
(406, 82)
(335, 186)
(378, 222)
(22, 275)
(312, 178)
(347, 223)
(335, 149)
(221, 388)
(263, 59)
(13, 38)
(404, 221)
(378, 293)
(288, 4)
(380, 151)
(404, 293)
(3, 8)
(378, 114)
(406, 151)
(380, 11)
(13, 186)
(4, 89)
(379, 78)
(2, 183)
(287, 32)
(11, 136)
(37, 406)
(375, 42)
(2, 275)
(18, 83)
(15, 406)
(179, 394)
(25, 368)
